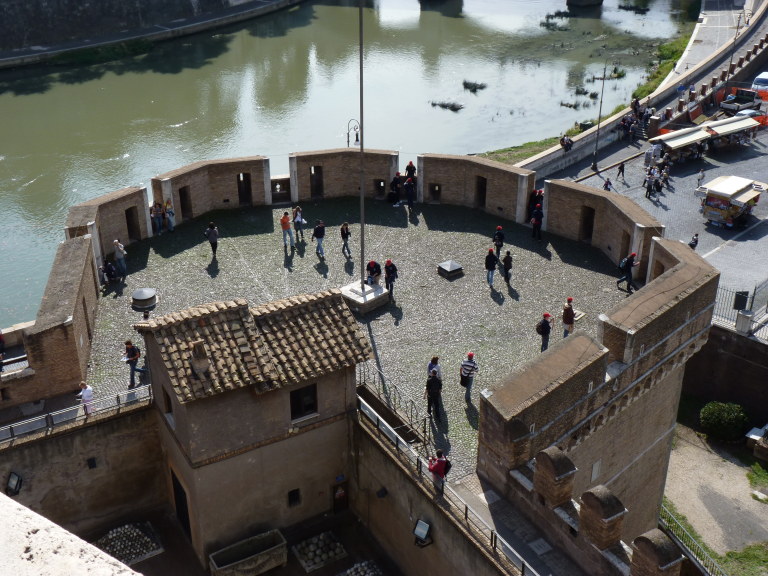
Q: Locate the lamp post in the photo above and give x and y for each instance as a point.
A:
(353, 126)
(733, 48)
(362, 152)
(599, 114)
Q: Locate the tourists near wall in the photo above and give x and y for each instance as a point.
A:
(373, 272)
(111, 273)
(437, 465)
(434, 364)
(543, 329)
(620, 173)
(498, 240)
(170, 215)
(607, 185)
(432, 394)
(507, 263)
(298, 222)
(157, 217)
(410, 191)
(212, 233)
(537, 197)
(132, 355)
(569, 317)
(345, 235)
(626, 266)
(694, 242)
(390, 275)
(120, 255)
(86, 396)
(410, 171)
(537, 218)
(394, 189)
(490, 266)
(467, 372)
(700, 178)
(319, 234)
(285, 226)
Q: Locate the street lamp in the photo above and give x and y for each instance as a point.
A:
(733, 48)
(599, 114)
(359, 133)
(353, 126)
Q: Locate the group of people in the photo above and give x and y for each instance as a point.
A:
(403, 184)
(468, 369)
(544, 326)
(657, 176)
(111, 272)
(162, 216)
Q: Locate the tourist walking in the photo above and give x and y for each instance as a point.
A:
(345, 234)
(298, 222)
(694, 242)
(285, 226)
(394, 190)
(390, 275)
(120, 255)
(467, 372)
(507, 263)
(132, 355)
(410, 192)
(438, 465)
(432, 394)
(86, 396)
(319, 234)
(212, 233)
(607, 185)
(569, 317)
(434, 364)
(700, 178)
(498, 240)
(410, 171)
(620, 173)
(543, 329)
(170, 215)
(626, 266)
(537, 217)
(490, 266)
(373, 271)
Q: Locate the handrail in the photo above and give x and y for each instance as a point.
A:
(683, 538)
(454, 504)
(49, 421)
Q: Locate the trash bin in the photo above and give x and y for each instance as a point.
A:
(744, 322)
(740, 300)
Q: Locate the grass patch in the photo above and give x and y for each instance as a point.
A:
(751, 561)
(102, 54)
(516, 154)
(758, 476)
(668, 54)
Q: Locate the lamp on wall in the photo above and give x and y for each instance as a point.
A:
(421, 533)
(13, 485)
(353, 126)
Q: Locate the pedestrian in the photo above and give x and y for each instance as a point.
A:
(132, 355)
(665, 176)
(626, 266)
(537, 217)
(120, 255)
(410, 171)
(649, 188)
(694, 242)
(2, 350)
(170, 215)
(434, 364)
(490, 266)
(700, 178)
(543, 329)
(620, 173)
(345, 234)
(319, 234)
(432, 394)
(507, 263)
(438, 466)
(467, 372)
(410, 192)
(298, 222)
(212, 233)
(285, 226)
(390, 275)
(373, 269)
(394, 190)
(607, 185)
(157, 217)
(86, 396)
(110, 272)
(498, 240)
(569, 317)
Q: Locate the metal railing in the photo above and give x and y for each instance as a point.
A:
(728, 304)
(484, 534)
(694, 550)
(48, 422)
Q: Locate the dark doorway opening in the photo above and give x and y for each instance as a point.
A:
(340, 497)
(379, 187)
(244, 189)
(481, 184)
(316, 182)
(624, 251)
(182, 508)
(132, 223)
(434, 193)
(587, 224)
(185, 199)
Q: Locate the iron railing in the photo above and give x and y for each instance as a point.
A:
(484, 534)
(49, 421)
(695, 552)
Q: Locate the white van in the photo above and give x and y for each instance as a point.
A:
(761, 82)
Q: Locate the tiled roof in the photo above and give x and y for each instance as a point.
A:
(222, 346)
(311, 335)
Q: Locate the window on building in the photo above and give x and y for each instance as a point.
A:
(294, 498)
(168, 409)
(304, 402)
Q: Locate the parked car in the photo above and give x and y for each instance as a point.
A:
(750, 113)
(760, 82)
(741, 100)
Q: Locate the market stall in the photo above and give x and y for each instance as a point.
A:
(728, 200)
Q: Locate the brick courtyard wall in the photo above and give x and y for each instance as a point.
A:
(337, 172)
(459, 180)
(125, 482)
(58, 344)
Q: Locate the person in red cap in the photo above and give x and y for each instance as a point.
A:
(543, 329)
(498, 240)
(394, 190)
(390, 275)
(490, 266)
(374, 272)
(410, 171)
(467, 372)
(626, 266)
(410, 191)
(537, 217)
(569, 317)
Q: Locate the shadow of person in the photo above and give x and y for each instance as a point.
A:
(213, 268)
(349, 267)
(413, 216)
(473, 416)
(288, 259)
(396, 312)
(322, 268)
(301, 248)
(497, 296)
(514, 294)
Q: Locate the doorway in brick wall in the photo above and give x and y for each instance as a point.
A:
(244, 191)
(185, 199)
(316, 182)
(132, 224)
(481, 185)
(587, 225)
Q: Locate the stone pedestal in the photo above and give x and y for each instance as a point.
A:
(363, 299)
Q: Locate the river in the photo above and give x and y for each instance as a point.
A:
(289, 82)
